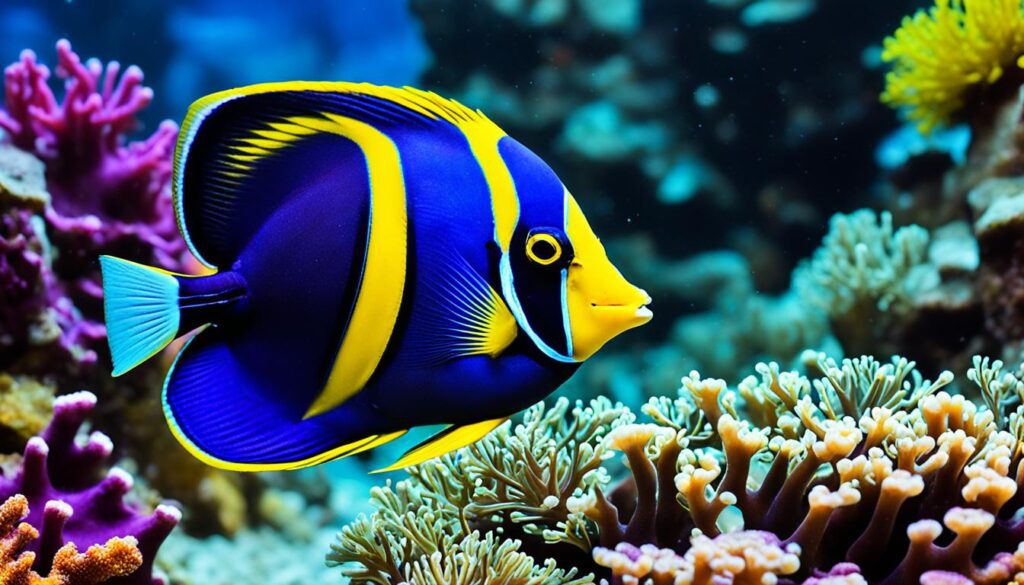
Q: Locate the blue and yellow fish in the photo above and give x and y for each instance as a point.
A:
(385, 258)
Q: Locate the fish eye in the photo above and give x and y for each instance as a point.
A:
(544, 247)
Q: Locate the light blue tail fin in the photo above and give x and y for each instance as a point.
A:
(141, 305)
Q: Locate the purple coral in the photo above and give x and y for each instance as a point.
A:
(71, 501)
(90, 170)
(107, 196)
(38, 323)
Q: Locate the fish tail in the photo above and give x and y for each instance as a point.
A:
(147, 308)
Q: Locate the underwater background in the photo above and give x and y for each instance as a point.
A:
(824, 199)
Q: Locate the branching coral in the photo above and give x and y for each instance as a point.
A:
(70, 502)
(517, 479)
(89, 168)
(408, 542)
(939, 56)
(865, 276)
(105, 195)
(860, 472)
(119, 557)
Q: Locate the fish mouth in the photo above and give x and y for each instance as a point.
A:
(640, 311)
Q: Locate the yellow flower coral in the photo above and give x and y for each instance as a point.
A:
(939, 55)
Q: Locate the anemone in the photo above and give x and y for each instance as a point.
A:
(940, 55)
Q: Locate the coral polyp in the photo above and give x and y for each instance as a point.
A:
(941, 55)
(861, 472)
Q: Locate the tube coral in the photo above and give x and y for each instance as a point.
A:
(941, 55)
(863, 471)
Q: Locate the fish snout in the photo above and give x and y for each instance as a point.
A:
(602, 305)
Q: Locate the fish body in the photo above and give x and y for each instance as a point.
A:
(385, 258)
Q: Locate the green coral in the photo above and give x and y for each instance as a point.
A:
(26, 405)
(865, 276)
(518, 479)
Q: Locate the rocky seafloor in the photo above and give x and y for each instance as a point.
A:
(800, 188)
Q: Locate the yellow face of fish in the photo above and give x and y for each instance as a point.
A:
(564, 292)
(601, 303)
(556, 278)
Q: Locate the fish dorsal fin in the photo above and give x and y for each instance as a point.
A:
(448, 440)
(239, 151)
(462, 315)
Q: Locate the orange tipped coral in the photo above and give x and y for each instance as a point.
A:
(117, 558)
(940, 55)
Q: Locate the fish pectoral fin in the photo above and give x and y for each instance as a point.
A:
(446, 441)
(462, 315)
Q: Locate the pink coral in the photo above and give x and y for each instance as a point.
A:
(90, 169)
(103, 188)
(107, 195)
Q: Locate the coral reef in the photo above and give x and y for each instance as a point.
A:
(942, 55)
(865, 277)
(119, 557)
(73, 187)
(101, 195)
(858, 471)
(59, 488)
(869, 285)
(515, 481)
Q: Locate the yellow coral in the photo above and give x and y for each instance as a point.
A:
(940, 54)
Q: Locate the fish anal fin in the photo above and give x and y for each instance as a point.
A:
(448, 440)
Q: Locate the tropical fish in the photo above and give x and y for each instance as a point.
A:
(383, 259)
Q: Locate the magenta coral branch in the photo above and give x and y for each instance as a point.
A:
(107, 195)
(58, 478)
(91, 169)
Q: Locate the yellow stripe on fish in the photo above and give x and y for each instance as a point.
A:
(383, 283)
